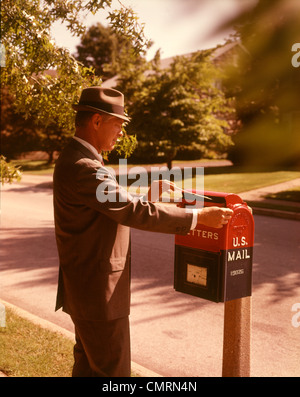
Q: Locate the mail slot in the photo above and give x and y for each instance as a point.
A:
(216, 264)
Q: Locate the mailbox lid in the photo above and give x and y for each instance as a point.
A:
(219, 199)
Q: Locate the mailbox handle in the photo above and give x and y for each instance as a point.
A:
(186, 195)
(229, 200)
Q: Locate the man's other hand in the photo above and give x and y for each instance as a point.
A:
(159, 187)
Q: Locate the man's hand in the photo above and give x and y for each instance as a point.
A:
(159, 187)
(214, 216)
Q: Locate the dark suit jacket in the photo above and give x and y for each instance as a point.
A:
(93, 237)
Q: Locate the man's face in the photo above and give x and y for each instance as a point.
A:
(108, 131)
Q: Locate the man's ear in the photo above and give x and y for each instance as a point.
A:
(96, 119)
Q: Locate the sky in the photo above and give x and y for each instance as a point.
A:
(176, 27)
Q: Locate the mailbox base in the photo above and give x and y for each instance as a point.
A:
(215, 276)
(197, 273)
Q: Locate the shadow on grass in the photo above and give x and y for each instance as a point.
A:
(287, 195)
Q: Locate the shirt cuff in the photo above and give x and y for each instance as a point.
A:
(194, 218)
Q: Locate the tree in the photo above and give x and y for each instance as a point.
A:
(30, 52)
(103, 50)
(18, 134)
(177, 108)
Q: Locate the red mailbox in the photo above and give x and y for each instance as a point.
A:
(216, 264)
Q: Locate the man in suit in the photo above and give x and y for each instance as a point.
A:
(92, 229)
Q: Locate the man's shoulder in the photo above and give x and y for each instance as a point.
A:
(75, 160)
(75, 153)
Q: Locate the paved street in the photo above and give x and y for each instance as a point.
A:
(172, 333)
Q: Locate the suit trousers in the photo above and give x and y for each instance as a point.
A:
(102, 348)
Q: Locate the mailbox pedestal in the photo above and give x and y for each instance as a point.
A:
(237, 337)
(216, 264)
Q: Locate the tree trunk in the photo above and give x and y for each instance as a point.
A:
(169, 163)
(51, 157)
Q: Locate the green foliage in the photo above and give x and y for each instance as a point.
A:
(176, 108)
(105, 51)
(18, 134)
(8, 172)
(97, 48)
(127, 24)
(28, 350)
(127, 145)
(30, 53)
(266, 85)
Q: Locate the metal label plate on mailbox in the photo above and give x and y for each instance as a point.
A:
(196, 275)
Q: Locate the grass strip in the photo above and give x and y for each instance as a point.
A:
(292, 195)
(245, 181)
(29, 350)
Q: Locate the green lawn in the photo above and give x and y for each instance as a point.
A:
(28, 350)
(222, 179)
(242, 182)
(34, 167)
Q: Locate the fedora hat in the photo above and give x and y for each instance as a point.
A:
(99, 99)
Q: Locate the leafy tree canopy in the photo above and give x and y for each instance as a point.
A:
(105, 51)
(177, 108)
(30, 52)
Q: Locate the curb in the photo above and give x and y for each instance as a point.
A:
(139, 370)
